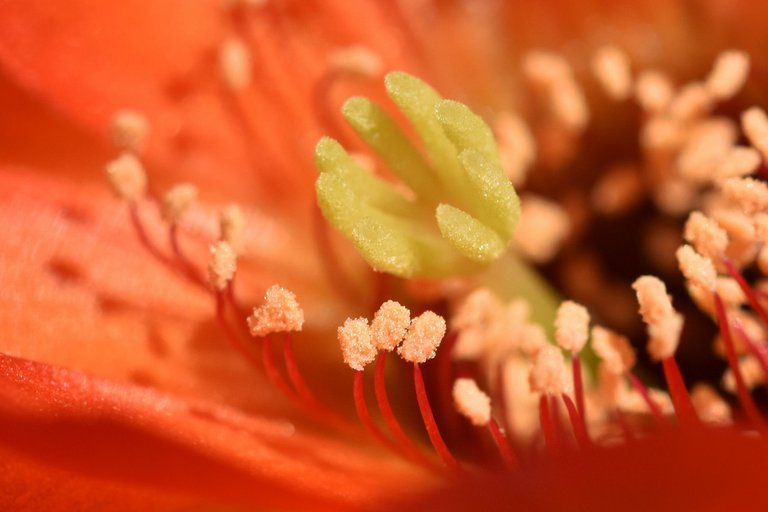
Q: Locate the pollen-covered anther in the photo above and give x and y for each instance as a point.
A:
(129, 130)
(611, 67)
(222, 265)
(232, 226)
(710, 406)
(177, 201)
(740, 161)
(654, 91)
(389, 325)
(619, 189)
(548, 373)
(655, 304)
(569, 105)
(544, 226)
(280, 312)
(356, 342)
(476, 309)
(614, 349)
(571, 326)
(235, 64)
(127, 177)
(356, 60)
(749, 194)
(697, 269)
(517, 146)
(730, 292)
(728, 75)
(472, 402)
(751, 371)
(664, 337)
(754, 122)
(693, 100)
(706, 235)
(554, 76)
(423, 337)
(545, 69)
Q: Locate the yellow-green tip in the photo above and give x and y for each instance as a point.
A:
(462, 210)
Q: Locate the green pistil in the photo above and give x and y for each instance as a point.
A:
(463, 209)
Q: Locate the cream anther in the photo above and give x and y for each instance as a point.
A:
(389, 325)
(232, 226)
(356, 60)
(423, 337)
(728, 75)
(177, 201)
(357, 346)
(611, 67)
(280, 312)
(614, 349)
(549, 374)
(571, 326)
(472, 402)
(235, 64)
(127, 177)
(698, 269)
(654, 91)
(129, 130)
(222, 265)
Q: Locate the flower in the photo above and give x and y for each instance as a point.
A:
(233, 99)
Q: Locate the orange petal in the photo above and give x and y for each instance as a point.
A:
(132, 435)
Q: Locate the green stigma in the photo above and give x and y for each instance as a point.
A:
(461, 211)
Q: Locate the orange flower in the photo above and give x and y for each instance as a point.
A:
(117, 387)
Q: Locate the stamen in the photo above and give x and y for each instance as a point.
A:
(571, 333)
(706, 235)
(710, 407)
(744, 397)
(618, 190)
(127, 177)
(544, 226)
(356, 341)
(423, 337)
(643, 391)
(614, 349)
(548, 374)
(129, 130)
(728, 75)
(362, 411)
(177, 201)
(235, 64)
(751, 372)
(517, 146)
(754, 301)
(611, 67)
(280, 312)
(754, 122)
(402, 441)
(572, 326)
(693, 100)
(654, 91)
(389, 325)
(472, 402)
(739, 162)
(577, 422)
(356, 60)
(696, 268)
(749, 194)
(429, 419)
(232, 226)
(655, 304)
(475, 405)
(222, 265)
